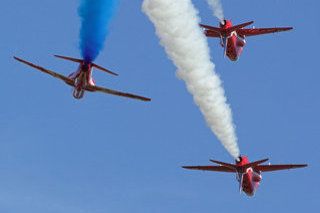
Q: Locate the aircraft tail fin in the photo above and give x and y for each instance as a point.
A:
(81, 61)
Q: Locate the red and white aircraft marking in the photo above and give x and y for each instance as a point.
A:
(248, 174)
(82, 79)
(233, 37)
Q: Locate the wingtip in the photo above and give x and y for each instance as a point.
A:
(143, 98)
(110, 72)
(213, 161)
(18, 59)
(186, 167)
(301, 165)
(287, 28)
(113, 73)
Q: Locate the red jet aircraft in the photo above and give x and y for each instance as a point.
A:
(82, 80)
(248, 174)
(233, 37)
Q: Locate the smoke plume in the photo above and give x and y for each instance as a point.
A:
(177, 25)
(95, 16)
(217, 9)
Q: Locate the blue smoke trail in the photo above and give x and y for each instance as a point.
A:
(95, 15)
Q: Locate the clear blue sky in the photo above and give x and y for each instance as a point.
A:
(110, 154)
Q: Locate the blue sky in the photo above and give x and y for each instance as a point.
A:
(110, 154)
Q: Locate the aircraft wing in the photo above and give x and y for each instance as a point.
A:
(54, 74)
(210, 168)
(260, 31)
(269, 168)
(114, 92)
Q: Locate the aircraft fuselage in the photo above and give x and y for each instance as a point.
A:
(248, 174)
(250, 178)
(82, 77)
(233, 36)
(231, 41)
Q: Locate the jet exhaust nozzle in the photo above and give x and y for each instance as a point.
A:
(86, 66)
(238, 159)
(223, 22)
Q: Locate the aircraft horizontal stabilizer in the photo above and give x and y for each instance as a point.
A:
(236, 27)
(104, 69)
(231, 166)
(215, 29)
(255, 163)
(81, 61)
(70, 59)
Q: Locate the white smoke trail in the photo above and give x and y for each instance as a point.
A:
(217, 9)
(177, 25)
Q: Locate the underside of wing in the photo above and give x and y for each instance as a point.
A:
(260, 31)
(269, 168)
(114, 92)
(210, 168)
(54, 74)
